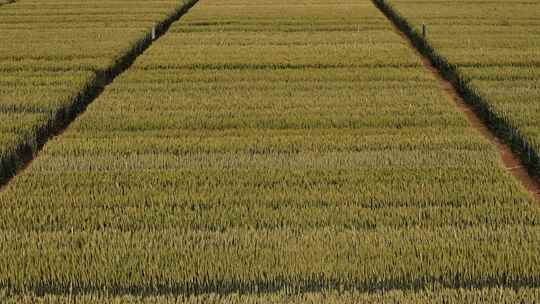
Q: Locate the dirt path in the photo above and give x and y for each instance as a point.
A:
(511, 161)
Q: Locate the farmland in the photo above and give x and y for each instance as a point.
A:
(406, 297)
(55, 55)
(494, 46)
(259, 152)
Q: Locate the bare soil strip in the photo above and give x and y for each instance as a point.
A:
(24, 154)
(450, 83)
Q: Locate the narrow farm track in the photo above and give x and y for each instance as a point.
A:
(18, 154)
(519, 157)
(512, 161)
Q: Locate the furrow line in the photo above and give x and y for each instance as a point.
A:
(228, 288)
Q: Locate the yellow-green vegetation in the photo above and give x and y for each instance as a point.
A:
(54, 57)
(270, 151)
(477, 296)
(494, 46)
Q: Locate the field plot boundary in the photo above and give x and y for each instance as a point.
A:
(222, 288)
(26, 151)
(517, 155)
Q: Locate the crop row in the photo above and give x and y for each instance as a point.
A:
(260, 260)
(55, 55)
(271, 160)
(480, 296)
(493, 48)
